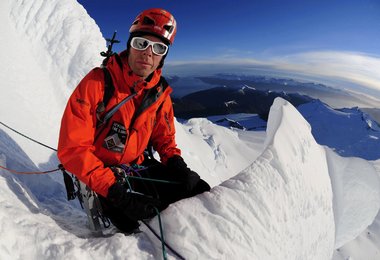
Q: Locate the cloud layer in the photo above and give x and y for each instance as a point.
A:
(359, 71)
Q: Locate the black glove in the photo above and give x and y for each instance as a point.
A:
(134, 205)
(180, 172)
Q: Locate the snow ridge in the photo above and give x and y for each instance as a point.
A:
(285, 203)
(361, 133)
(48, 46)
(54, 37)
(280, 206)
(356, 195)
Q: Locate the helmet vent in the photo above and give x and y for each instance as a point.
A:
(148, 21)
(169, 28)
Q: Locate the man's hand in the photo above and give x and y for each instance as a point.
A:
(134, 205)
(180, 172)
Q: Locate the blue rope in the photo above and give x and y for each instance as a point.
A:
(162, 234)
(154, 180)
(135, 169)
(129, 184)
(162, 241)
(31, 139)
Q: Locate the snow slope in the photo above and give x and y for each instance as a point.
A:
(47, 47)
(366, 245)
(361, 134)
(284, 198)
(204, 145)
(356, 195)
(280, 207)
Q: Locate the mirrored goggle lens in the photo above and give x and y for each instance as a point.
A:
(158, 48)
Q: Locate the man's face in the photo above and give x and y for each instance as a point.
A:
(144, 62)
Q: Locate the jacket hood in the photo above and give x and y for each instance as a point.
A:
(125, 80)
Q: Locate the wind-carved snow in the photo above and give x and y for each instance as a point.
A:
(65, 45)
(280, 207)
(205, 147)
(356, 195)
(48, 46)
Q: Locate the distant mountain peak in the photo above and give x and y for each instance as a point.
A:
(350, 131)
(230, 100)
(230, 103)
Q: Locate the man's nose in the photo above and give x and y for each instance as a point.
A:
(148, 51)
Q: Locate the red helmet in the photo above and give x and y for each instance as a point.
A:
(156, 21)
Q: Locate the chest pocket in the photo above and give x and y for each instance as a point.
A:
(116, 138)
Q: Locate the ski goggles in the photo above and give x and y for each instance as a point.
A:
(158, 48)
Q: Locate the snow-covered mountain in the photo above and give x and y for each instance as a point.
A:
(361, 136)
(228, 100)
(185, 85)
(276, 194)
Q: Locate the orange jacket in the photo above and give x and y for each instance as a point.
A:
(86, 151)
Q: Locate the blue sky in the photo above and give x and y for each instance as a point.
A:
(301, 35)
(246, 28)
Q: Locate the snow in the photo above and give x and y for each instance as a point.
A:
(357, 196)
(205, 148)
(361, 133)
(48, 46)
(270, 210)
(275, 195)
(247, 121)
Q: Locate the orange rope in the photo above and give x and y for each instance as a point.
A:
(16, 172)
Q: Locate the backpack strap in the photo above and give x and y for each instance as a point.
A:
(109, 89)
(150, 97)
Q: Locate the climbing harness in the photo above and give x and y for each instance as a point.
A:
(132, 172)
